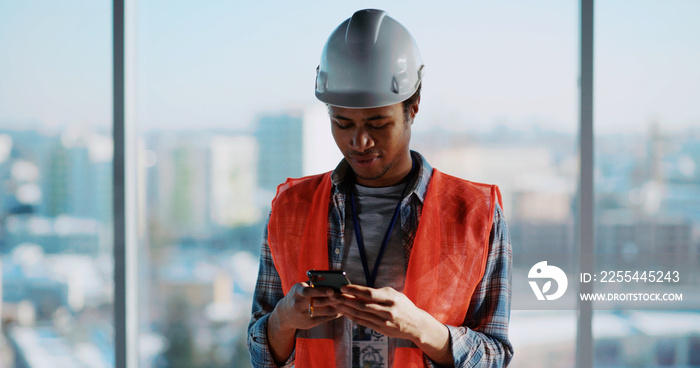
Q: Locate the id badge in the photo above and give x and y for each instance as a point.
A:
(370, 349)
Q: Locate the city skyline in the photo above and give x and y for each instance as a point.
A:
(197, 259)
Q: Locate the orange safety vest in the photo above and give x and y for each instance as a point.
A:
(446, 263)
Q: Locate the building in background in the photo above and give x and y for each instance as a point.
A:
(179, 199)
(321, 154)
(233, 180)
(280, 148)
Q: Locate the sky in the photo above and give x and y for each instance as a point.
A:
(222, 63)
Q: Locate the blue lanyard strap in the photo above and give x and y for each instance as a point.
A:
(371, 278)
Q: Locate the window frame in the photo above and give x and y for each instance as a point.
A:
(584, 216)
(124, 187)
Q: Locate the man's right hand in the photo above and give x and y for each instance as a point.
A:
(294, 312)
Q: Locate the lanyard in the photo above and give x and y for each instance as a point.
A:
(371, 278)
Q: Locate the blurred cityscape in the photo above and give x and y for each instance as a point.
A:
(203, 199)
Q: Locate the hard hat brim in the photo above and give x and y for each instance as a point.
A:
(359, 100)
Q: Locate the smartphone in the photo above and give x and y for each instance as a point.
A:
(331, 279)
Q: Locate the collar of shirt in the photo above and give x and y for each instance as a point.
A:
(411, 208)
(419, 185)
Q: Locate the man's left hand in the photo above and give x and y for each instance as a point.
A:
(392, 314)
(384, 310)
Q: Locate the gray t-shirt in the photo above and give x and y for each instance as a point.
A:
(375, 207)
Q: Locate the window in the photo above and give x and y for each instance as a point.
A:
(56, 294)
(225, 113)
(646, 155)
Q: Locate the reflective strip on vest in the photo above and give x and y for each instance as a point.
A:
(457, 216)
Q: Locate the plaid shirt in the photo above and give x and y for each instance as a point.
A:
(481, 341)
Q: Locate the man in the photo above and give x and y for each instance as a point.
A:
(428, 254)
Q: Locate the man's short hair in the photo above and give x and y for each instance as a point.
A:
(410, 101)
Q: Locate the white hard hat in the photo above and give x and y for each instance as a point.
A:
(370, 60)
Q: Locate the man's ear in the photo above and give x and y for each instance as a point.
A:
(414, 109)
